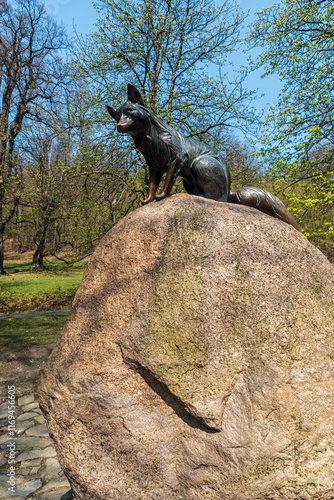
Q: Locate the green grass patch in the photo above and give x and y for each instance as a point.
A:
(23, 333)
(25, 290)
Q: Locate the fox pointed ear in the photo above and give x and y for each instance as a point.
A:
(112, 112)
(134, 95)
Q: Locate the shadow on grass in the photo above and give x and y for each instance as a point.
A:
(19, 334)
(16, 265)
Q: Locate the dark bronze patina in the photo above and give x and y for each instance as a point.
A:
(204, 171)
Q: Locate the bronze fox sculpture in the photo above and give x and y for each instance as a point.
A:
(204, 171)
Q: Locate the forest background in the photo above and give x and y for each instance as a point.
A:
(66, 176)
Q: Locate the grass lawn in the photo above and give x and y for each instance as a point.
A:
(22, 333)
(25, 290)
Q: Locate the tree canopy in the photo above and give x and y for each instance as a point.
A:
(29, 77)
(166, 48)
(297, 38)
(67, 176)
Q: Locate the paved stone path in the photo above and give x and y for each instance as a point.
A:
(37, 471)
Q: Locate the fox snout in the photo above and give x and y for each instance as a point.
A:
(123, 120)
(124, 123)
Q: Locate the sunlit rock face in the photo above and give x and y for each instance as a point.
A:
(197, 361)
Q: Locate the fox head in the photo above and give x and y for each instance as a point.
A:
(131, 117)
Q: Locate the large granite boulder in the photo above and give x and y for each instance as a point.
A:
(197, 361)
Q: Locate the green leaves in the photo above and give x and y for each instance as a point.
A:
(298, 137)
(164, 47)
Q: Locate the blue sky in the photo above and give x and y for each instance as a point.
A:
(82, 14)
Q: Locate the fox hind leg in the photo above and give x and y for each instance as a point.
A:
(210, 178)
(191, 188)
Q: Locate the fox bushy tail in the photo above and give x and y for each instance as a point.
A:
(264, 201)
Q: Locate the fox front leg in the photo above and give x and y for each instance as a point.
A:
(155, 178)
(169, 183)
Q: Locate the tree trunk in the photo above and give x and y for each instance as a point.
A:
(19, 238)
(2, 270)
(37, 260)
(3, 225)
(2, 230)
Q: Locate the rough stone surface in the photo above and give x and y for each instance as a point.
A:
(40, 419)
(50, 495)
(21, 427)
(26, 489)
(4, 412)
(38, 453)
(26, 416)
(197, 361)
(27, 399)
(32, 406)
(51, 469)
(31, 442)
(38, 431)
